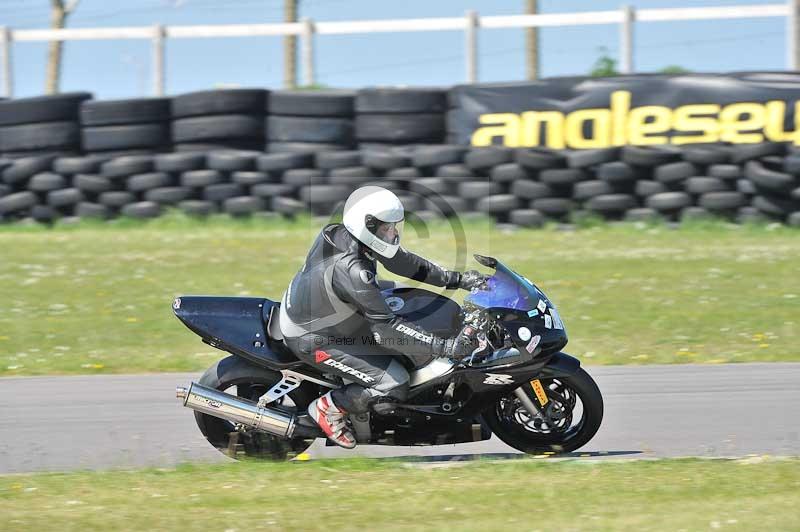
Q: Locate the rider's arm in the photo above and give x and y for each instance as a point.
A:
(411, 266)
(356, 284)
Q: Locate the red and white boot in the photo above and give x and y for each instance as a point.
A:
(331, 419)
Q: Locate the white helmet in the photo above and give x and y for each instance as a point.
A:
(374, 216)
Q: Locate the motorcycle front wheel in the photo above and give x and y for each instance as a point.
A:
(236, 376)
(566, 421)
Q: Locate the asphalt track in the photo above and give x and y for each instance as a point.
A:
(124, 421)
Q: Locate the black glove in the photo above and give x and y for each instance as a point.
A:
(461, 345)
(473, 279)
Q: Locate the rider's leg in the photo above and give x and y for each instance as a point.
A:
(373, 371)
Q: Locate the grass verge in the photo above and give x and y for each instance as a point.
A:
(96, 297)
(683, 494)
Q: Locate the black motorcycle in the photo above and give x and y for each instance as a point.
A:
(517, 383)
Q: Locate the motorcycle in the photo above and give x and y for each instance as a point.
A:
(517, 384)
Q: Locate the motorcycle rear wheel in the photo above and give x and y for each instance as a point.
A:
(239, 377)
(514, 425)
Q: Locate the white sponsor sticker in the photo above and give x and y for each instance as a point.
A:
(395, 303)
(524, 334)
(533, 343)
(542, 306)
(548, 321)
(498, 378)
(557, 323)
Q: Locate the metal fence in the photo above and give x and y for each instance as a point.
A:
(626, 18)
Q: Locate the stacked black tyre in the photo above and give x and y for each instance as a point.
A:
(310, 121)
(114, 128)
(387, 117)
(219, 119)
(43, 125)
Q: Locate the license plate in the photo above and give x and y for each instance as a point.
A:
(538, 389)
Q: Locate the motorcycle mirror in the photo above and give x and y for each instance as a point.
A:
(483, 260)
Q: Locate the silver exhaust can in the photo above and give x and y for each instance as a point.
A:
(237, 410)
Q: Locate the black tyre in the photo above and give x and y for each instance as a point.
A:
(498, 204)
(306, 147)
(763, 178)
(309, 129)
(445, 205)
(704, 185)
(116, 199)
(248, 178)
(482, 160)
(705, 156)
(219, 102)
(611, 203)
(150, 180)
(93, 184)
(197, 207)
(238, 377)
(344, 175)
(312, 103)
(722, 201)
(409, 173)
(222, 191)
(400, 128)
(243, 205)
(438, 155)
(41, 136)
(42, 108)
(204, 128)
(569, 419)
(540, 159)
(745, 152)
(17, 202)
(669, 201)
(675, 173)
(125, 166)
(77, 165)
(337, 159)
(141, 210)
(527, 218)
(508, 173)
(91, 210)
(430, 185)
(167, 195)
(100, 138)
(649, 155)
(728, 172)
(475, 190)
(531, 190)
(23, 169)
(303, 177)
(47, 181)
(554, 207)
(458, 171)
(385, 160)
(618, 173)
(270, 190)
(116, 112)
(65, 197)
(280, 162)
(231, 161)
(562, 177)
(587, 158)
(287, 206)
(589, 189)
(201, 178)
(179, 162)
(646, 188)
(642, 214)
(388, 100)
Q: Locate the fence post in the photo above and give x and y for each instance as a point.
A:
(793, 35)
(626, 40)
(159, 36)
(5, 52)
(471, 46)
(307, 44)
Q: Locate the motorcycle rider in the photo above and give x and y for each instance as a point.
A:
(333, 313)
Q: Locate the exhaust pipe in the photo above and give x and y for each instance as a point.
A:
(237, 410)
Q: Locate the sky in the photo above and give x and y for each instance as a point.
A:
(122, 68)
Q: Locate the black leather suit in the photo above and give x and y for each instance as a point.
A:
(333, 315)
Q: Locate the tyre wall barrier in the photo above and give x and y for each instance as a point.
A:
(525, 187)
(245, 151)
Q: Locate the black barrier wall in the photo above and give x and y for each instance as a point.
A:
(246, 151)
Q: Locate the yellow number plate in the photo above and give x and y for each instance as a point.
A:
(538, 389)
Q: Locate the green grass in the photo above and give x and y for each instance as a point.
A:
(527, 494)
(96, 298)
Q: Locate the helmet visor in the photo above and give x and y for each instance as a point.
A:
(388, 232)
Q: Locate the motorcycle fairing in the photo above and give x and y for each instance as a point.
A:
(237, 325)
